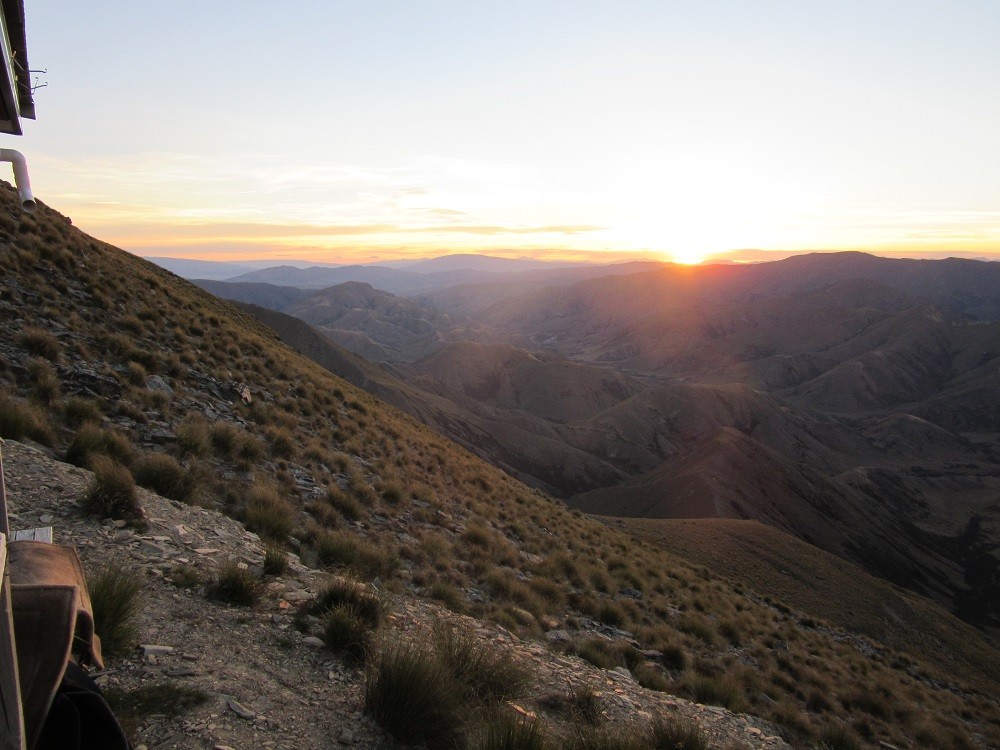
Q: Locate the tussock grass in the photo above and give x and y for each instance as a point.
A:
(411, 693)
(91, 441)
(112, 492)
(235, 585)
(677, 734)
(506, 730)
(116, 598)
(346, 592)
(193, 436)
(162, 474)
(430, 692)
(77, 410)
(346, 630)
(185, 576)
(275, 561)
(45, 388)
(714, 691)
(40, 342)
(487, 674)
(839, 737)
(169, 698)
(346, 505)
(578, 705)
(601, 738)
(267, 512)
(19, 420)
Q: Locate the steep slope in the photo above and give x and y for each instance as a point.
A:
(824, 586)
(518, 442)
(106, 355)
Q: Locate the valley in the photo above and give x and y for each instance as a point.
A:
(842, 398)
(115, 365)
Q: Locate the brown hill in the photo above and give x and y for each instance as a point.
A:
(823, 586)
(110, 361)
(365, 320)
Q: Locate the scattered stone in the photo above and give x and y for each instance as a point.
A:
(157, 383)
(150, 649)
(240, 710)
(148, 548)
(313, 641)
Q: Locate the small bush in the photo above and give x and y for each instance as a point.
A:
(165, 476)
(411, 693)
(346, 630)
(115, 595)
(677, 734)
(267, 513)
(341, 592)
(19, 420)
(112, 492)
(275, 561)
(235, 585)
(77, 410)
(92, 441)
(715, 691)
(40, 342)
(487, 673)
(505, 730)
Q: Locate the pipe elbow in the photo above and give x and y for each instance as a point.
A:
(21, 179)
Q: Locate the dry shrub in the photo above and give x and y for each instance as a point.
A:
(112, 491)
(19, 420)
(267, 512)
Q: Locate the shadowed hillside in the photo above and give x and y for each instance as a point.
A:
(117, 365)
(856, 381)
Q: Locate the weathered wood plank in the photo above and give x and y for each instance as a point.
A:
(41, 534)
(11, 717)
(4, 525)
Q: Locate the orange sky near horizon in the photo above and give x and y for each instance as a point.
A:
(401, 130)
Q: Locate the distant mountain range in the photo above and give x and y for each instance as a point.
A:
(843, 398)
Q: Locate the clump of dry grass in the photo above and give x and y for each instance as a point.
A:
(112, 491)
(267, 512)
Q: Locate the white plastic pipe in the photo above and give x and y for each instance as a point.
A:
(21, 179)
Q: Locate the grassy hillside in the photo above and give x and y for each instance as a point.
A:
(106, 357)
(818, 584)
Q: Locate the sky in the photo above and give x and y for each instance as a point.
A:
(366, 130)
